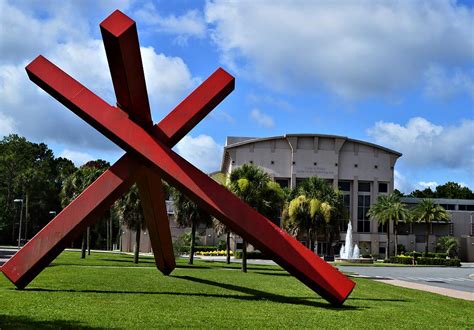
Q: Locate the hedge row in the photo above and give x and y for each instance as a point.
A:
(426, 255)
(205, 248)
(407, 260)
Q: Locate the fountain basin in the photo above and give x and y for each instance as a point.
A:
(356, 260)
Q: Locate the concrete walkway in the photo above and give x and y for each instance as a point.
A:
(434, 289)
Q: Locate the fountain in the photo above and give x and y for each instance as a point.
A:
(349, 253)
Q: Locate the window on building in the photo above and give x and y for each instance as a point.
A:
(383, 187)
(363, 221)
(449, 207)
(283, 182)
(364, 186)
(466, 207)
(344, 186)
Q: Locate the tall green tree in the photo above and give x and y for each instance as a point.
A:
(188, 214)
(74, 185)
(389, 209)
(428, 212)
(28, 171)
(255, 187)
(326, 211)
(130, 213)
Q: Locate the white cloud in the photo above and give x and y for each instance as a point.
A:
(191, 24)
(271, 101)
(424, 143)
(353, 48)
(7, 125)
(77, 157)
(201, 151)
(441, 85)
(401, 183)
(431, 184)
(28, 111)
(261, 118)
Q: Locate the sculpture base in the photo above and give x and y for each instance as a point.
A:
(356, 260)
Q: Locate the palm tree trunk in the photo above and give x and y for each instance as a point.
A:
(89, 241)
(427, 237)
(387, 250)
(244, 256)
(193, 241)
(137, 246)
(83, 246)
(395, 232)
(227, 245)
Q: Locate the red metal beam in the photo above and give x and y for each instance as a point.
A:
(44, 247)
(120, 37)
(238, 216)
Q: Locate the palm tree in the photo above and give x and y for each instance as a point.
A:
(222, 229)
(255, 187)
(427, 211)
(188, 214)
(387, 209)
(326, 209)
(309, 215)
(74, 185)
(130, 212)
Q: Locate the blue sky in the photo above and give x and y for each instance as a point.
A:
(396, 73)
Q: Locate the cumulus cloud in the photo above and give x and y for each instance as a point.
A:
(354, 49)
(402, 183)
(431, 184)
(202, 151)
(77, 157)
(27, 110)
(261, 118)
(424, 143)
(271, 101)
(442, 85)
(190, 24)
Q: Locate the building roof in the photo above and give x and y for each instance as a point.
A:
(233, 142)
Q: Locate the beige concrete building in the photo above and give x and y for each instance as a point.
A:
(362, 171)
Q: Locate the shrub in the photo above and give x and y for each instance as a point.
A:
(405, 260)
(205, 248)
(438, 262)
(182, 244)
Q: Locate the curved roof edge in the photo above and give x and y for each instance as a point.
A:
(253, 140)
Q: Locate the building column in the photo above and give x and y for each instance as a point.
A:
(355, 191)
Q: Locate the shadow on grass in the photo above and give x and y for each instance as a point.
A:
(262, 295)
(25, 322)
(273, 274)
(253, 294)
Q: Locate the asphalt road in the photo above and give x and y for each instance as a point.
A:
(456, 278)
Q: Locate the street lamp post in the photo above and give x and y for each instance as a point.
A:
(19, 200)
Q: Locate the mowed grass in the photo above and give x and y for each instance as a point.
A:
(108, 290)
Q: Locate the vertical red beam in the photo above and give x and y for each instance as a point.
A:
(240, 217)
(38, 253)
(122, 48)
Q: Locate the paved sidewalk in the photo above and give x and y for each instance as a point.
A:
(434, 289)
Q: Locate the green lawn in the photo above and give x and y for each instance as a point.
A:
(108, 290)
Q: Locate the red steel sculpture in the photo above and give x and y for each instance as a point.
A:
(148, 159)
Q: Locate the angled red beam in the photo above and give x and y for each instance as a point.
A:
(44, 247)
(122, 48)
(208, 194)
